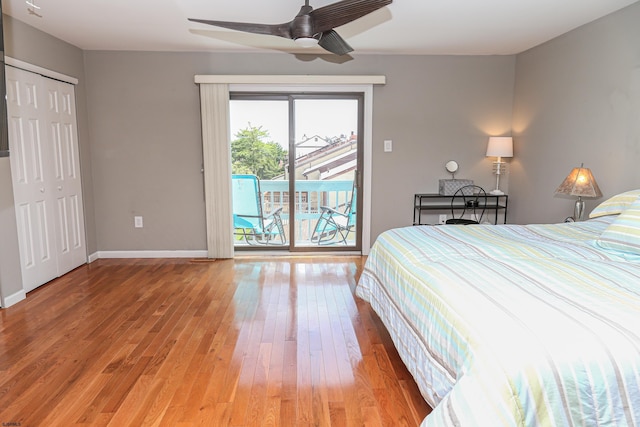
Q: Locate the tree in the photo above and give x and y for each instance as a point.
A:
(252, 154)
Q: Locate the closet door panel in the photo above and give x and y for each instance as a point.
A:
(34, 196)
(68, 186)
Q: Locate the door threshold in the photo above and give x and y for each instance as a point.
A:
(249, 254)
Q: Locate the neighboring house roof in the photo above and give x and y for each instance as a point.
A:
(331, 156)
(339, 170)
(310, 144)
(334, 165)
(333, 144)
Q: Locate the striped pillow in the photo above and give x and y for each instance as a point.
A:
(616, 204)
(623, 234)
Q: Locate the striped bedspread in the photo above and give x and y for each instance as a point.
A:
(512, 325)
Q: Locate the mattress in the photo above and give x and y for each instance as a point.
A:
(512, 325)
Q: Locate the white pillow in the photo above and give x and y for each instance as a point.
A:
(616, 204)
(623, 234)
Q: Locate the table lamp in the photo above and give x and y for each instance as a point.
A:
(580, 182)
(499, 146)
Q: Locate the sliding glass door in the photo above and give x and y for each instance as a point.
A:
(296, 162)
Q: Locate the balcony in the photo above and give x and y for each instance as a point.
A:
(310, 195)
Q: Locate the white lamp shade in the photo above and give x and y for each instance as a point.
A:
(500, 146)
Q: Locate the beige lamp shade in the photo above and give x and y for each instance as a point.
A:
(580, 182)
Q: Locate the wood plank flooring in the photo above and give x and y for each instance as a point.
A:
(244, 342)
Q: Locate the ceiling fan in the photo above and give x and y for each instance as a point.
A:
(310, 26)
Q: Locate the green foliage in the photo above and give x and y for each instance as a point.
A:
(251, 153)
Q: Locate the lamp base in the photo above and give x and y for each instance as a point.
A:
(497, 192)
(578, 210)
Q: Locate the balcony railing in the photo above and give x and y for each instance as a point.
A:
(310, 195)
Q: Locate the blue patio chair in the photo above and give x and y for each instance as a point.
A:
(249, 221)
(334, 225)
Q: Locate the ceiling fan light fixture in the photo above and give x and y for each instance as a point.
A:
(306, 42)
(311, 27)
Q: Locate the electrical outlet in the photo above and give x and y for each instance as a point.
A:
(137, 222)
(442, 219)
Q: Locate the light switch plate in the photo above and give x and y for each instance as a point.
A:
(137, 222)
(388, 146)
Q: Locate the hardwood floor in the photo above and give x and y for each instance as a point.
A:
(245, 342)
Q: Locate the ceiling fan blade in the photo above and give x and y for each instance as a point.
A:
(331, 41)
(343, 12)
(280, 30)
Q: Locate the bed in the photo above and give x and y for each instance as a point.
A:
(517, 325)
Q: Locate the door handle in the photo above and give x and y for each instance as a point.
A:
(42, 189)
(59, 187)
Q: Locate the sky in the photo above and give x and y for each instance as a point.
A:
(320, 117)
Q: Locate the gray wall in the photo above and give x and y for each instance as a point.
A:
(577, 99)
(146, 150)
(435, 109)
(146, 145)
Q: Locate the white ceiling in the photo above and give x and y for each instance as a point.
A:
(460, 27)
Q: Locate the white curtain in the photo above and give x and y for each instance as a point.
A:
(214, 107)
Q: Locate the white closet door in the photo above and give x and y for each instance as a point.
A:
(45, 172)
(62, 136)
(32, 191)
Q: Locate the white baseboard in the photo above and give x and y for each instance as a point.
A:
(203, 254)
(149, 254)
(13, 299)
